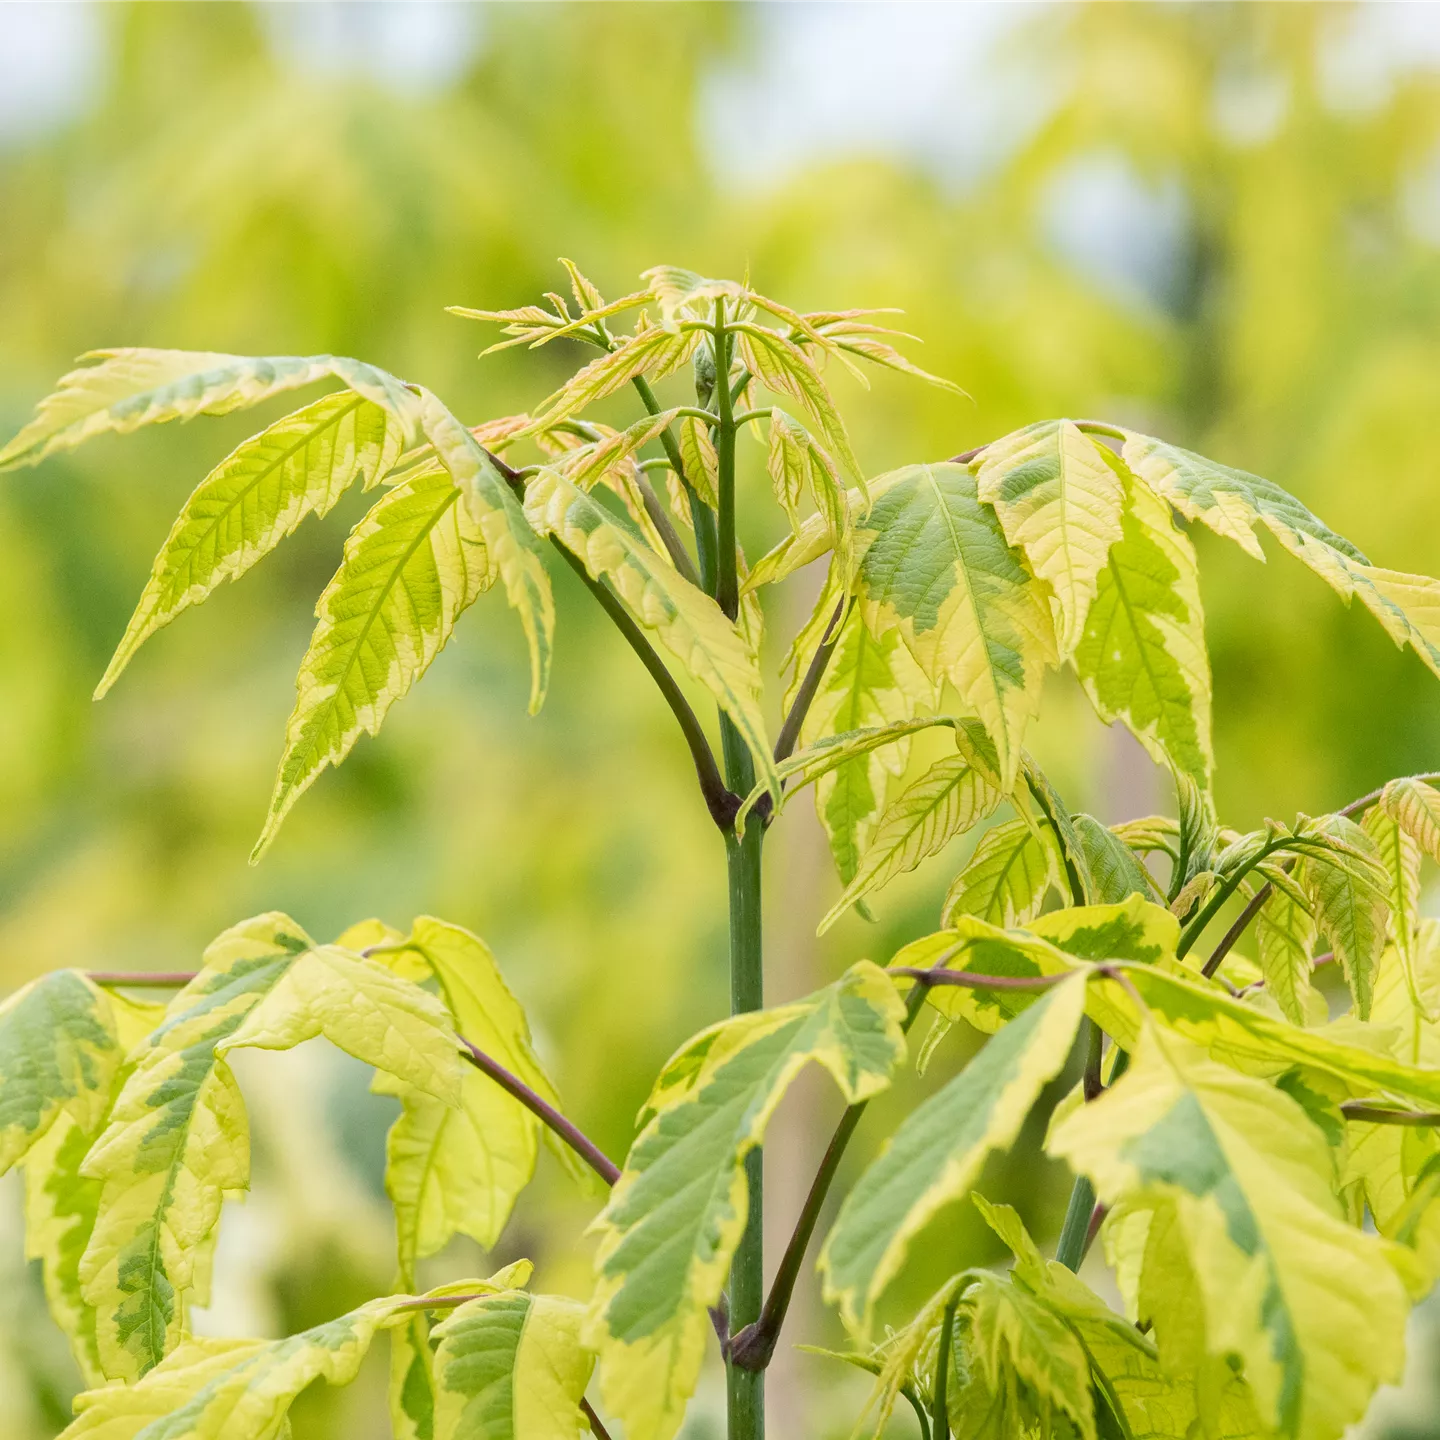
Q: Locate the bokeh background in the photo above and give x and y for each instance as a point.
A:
(1219, 222)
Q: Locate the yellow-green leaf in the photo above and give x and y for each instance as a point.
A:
(59, 1052)
(1142, 657)
(410, 568)
(653, 352)
(950, 798)
(935, 566)
(511, 1367)
(1059, 502)
(254, 498)
(1285, 938)
(677, 1213)
(938, 1151)
(1007, 878)
(1415, 805)
(233, 1389)
(455, 1170)
(1312, 1306)
(685, 620)
(177, 1143)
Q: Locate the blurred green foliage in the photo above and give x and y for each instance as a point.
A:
(214, 197)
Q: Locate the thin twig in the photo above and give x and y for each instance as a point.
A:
(597, 1429)
(1381, 1114)
(976, 981)
(805, 695)
(513, 1085)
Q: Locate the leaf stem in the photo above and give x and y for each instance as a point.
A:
(975, 980)
(1381, 1114)
(596, 1428)
(700, 513)
(940, 1426)
(1233, 934)
(1076, 1229)
(513, 1085)
(727, 580)
(804, 697)
(753, 1347)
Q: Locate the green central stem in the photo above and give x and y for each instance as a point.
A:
(744, 1389)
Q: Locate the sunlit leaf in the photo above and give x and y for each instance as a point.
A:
(935, 566)
(177, 1140)
(937, 1153)
(653, 352)
(677, 1213)
(1311, 1306)
(1142, 657)
(1285, 939)
(1007, 878)
(951, 797)
(511, 1367)
(254, 498)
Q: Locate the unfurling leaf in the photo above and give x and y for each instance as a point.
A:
(1007, 878)
(936, 1154)
(1415, 806)
(511, 1367)
(1312, 1306)
(254, 498)
(685, 619)
(653, 352)
(951, 797)
(678, 1211)
(1142, 657)
(177, 1142)
(456, 1171)
(935, 566)
(126, 389)
(1059, 501)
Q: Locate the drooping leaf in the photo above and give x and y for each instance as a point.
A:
(511, 1367)
(1007, 878)
(61, 1203)
(410, 568)
(950, 798)
(1399, 853)
(1059, 502)
(1312, 1306)
(697, 454)
(1232, 502)
(212, 1389)
(935, 566)
(685, 620)
(1142, 657)
(458, 1170)
(1285, 938)
(1347, 887)
(1415, 805)
(412, 1384)
(126, 389)
(511, 550)
(177, 1142)
(59, 1052)
(936, 1154)
(799, 466)
(1113, 868)
(254, 498)
(677, 1213)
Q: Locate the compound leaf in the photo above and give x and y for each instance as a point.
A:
(511, 1367)
(177, 1142)
(938, 1151)
(678, 1211)
(254, 498)
(1312, 1306)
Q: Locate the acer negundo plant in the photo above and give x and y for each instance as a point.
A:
(1230, 1141)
